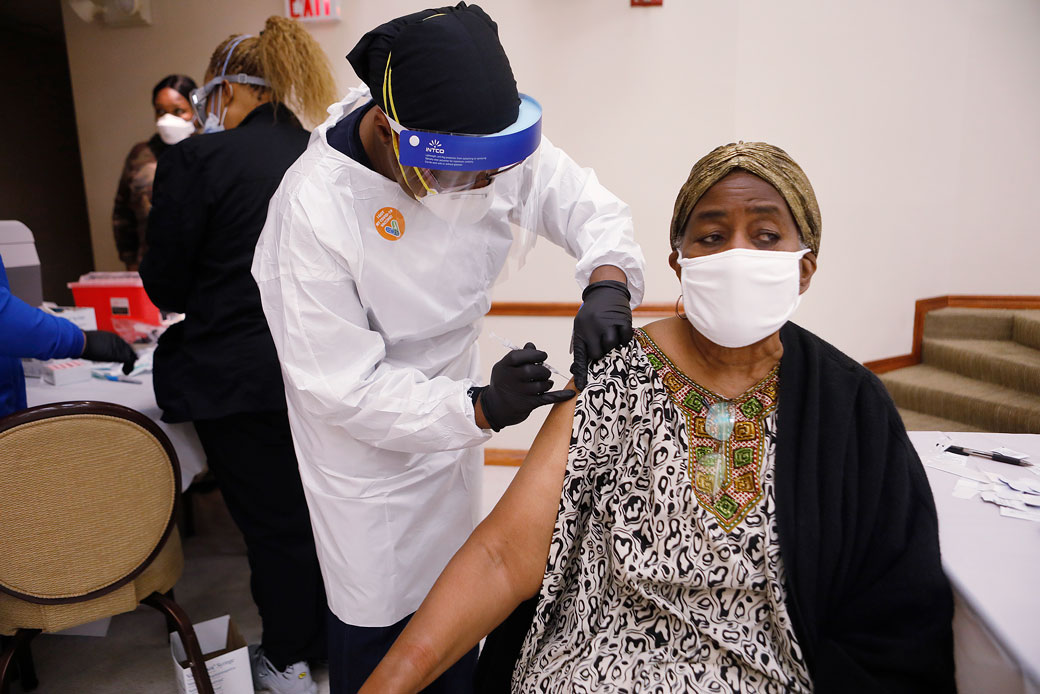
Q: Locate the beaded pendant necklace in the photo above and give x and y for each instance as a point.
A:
(727, 441)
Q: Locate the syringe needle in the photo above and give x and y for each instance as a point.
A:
(510, 345)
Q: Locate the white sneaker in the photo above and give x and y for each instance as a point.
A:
(295, 679)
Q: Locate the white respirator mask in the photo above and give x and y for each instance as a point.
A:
(461, 207)
(738, 297)
(172, 129)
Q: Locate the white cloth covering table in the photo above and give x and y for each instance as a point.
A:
(138, 397)
(993, 563)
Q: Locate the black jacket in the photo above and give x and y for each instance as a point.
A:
(209, 204)
(858, 530)
(858, 535)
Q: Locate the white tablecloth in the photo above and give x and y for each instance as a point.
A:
(139, 397)
(993, 563)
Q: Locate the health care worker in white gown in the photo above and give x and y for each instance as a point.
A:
(375, 266)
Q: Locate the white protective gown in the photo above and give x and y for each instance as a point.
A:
(377, 342)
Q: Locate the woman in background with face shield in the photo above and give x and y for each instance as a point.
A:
(173, 123)
(218, 367)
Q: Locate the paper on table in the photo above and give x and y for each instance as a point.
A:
(965, 489)
(1025, 491)
(1022, 485)
(955, 465)
(1021, 515)
(1000, 500)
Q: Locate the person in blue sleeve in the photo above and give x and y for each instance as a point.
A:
(26, 331)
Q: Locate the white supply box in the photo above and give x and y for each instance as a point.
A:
(226, 656)
(81, 316)
(60, 372)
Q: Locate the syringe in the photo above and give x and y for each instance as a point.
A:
(510, 345)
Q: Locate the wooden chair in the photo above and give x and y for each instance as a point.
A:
(88, 495)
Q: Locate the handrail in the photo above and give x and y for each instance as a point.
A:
(504, 456)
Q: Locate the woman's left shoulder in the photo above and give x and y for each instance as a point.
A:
(800, 342)
(618, 365)
(840, 377)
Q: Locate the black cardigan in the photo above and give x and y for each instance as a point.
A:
(858, 534)
(209, 204)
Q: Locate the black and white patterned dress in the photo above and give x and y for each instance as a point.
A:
(664, 573)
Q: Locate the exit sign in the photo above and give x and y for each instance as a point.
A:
(312, 10)
(646, 3)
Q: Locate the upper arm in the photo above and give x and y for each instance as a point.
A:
(521, 525)
(176, 229)
(26, 331)
(578, 213)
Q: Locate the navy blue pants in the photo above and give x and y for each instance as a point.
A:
(354, 653)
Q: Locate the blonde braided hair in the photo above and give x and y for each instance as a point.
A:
(292, 62)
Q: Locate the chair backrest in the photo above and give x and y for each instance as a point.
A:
(88, 493)
(18, 250)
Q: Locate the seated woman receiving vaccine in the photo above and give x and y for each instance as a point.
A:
(731, 505)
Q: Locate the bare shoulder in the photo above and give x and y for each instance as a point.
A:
(665, 332)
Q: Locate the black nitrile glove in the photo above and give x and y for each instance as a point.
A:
(519, 384)
(101, 345)
(604, 322)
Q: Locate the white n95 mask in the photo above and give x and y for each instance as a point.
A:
(172, 129)
(461, 207)
(738, 297)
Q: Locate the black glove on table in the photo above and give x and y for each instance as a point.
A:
(519, 384)
(101, 345)
(604, 322)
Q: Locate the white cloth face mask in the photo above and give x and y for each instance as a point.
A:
(172, 129)
(461, 207)
(738, 297)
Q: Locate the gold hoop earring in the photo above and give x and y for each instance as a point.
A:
(677, 314)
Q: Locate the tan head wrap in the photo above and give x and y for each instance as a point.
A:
(769, 163)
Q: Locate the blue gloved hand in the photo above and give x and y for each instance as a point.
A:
(519, 384)
(604, 322)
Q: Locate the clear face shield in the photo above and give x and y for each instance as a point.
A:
(459, 178)
(213, 120)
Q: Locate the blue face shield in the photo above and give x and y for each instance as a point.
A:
(213, 121)
(437, 162)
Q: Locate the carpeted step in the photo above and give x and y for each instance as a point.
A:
(940, 393)
(918, 421)
(1003, 362)
(1027, 329)
(970, 323)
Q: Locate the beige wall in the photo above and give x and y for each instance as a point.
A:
(916, 121)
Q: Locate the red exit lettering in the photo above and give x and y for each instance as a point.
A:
(312, 9)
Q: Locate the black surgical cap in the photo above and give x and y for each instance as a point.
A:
(447, 71)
